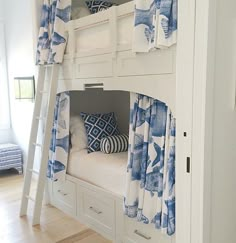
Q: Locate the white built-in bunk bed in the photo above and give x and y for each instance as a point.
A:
(99, 56)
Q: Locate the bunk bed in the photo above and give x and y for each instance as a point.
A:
(99, 55)
(106, 59)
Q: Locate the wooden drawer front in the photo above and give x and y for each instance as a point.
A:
(140, 233)
(98, 211)
(94, 67)
(66, 70)
(64, 194)
(152, 63)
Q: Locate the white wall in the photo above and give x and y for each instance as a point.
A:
(5, 123)
(1, 9)
(99, 101)
(224, 127)
(19, 45)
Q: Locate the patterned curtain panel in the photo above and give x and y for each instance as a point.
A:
(155, 24)
(52, 37)
(59, 148)
(150, 185)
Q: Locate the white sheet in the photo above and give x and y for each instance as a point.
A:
(104, 170)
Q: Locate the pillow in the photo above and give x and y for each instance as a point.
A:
(79, 12)
(115, 144)
(97, 6)
(99, 126)
(79, 139)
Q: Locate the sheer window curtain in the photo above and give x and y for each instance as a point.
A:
(4, 96)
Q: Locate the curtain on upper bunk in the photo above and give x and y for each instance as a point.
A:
(59, 148)
(150, 184)
(155, 24)
(52, 36)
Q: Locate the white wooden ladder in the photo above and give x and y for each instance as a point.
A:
(49, 91)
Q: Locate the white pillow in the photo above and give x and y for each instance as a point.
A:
(79, 138)
(79, 12)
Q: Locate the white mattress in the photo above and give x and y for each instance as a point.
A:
(104, 170)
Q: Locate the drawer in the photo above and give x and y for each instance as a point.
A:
(94, 67)
(136, 232)
(98, 210)
(64, 195)
(152, 63)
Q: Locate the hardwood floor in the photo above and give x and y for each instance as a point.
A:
(55, 227)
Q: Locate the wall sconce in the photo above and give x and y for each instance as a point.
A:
(24, 88)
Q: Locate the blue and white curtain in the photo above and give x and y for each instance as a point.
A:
(155, 24)
(59, 148)
(150, 185)
(52, 36)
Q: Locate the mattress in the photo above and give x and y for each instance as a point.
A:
(104, 170)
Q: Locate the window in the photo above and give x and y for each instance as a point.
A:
(4, 98)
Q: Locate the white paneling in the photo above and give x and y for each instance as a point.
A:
(184, 93)
(159, 62)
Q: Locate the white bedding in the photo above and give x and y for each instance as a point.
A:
(104, 170)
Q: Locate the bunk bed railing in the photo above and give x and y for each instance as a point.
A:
(110, 17)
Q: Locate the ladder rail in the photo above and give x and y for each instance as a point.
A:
(46, 144)
(31, 147)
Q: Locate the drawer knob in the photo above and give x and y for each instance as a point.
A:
(95, 210)
(137, 232)
(63, 193)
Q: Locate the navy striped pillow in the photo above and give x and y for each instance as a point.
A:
(114, 144)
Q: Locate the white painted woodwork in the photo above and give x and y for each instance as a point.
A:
(99, 51)
(159, 62)
(64, 196)
(97, 210)
(102, 211)
(43, 145)
(94, 67)
(138, 232)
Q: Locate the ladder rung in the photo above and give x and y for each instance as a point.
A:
(33, 171)
(48, 65)
(37, 144)
(30, 198)
(43, 91)
(39, 118)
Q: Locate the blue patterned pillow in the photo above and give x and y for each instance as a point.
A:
(99, 126)
(97, 6)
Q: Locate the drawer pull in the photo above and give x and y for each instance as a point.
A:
(95, 210)
(142, 235)
(64, 194)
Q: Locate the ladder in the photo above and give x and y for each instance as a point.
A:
(50, 95)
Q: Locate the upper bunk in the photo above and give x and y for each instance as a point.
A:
(99, 55)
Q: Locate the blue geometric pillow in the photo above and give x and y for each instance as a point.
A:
(99, 126)
(97, 6)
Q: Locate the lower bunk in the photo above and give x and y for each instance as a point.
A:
(94, 196)
(96, 181)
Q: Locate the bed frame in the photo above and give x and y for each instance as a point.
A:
(113, 67)
(116, 67)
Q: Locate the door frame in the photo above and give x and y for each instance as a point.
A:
(194, 98)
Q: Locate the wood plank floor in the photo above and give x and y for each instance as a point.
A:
(55, 226)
